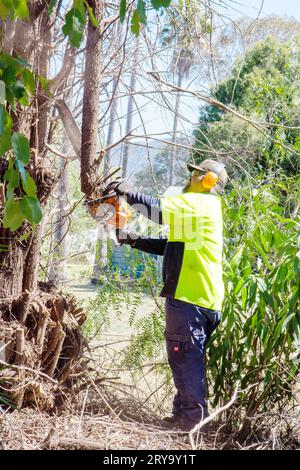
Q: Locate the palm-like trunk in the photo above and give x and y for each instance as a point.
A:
(38, 325)
(18, 257)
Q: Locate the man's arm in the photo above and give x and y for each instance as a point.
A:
(154, 246)
(148, 206)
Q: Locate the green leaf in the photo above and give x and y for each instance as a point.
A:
(2, 118)
(31, 209)
(208, 28)
(278, 329)
(13, 215)
(29, 185)
(135, 23)
(10, 98)
(11, 175)
(142, 11)
(74, 26)
(7, 402)
(20, 147)
(29, 81)
(9, 75)
(2, 92)
(5, 142)
(18, 89)
(21, 169)
(160, 3)
(24, 100)
(18, 61)
(92, 17)
(79, 5)
(123, 5)
(51, 6)
(9, 121)
(22, 10)
(4, 12)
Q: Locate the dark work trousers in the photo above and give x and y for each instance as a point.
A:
(188, 328)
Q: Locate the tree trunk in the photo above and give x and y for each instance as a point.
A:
(57, 272)
(38, 326)
(175, 128)
(19, 263)
(90, 110)
(12, 261)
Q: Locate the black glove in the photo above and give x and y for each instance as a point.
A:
(119, 187)
(125, 238)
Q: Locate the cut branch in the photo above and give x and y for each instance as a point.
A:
(70, 126)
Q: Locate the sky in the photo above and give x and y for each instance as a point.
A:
(158, 121)
(278, 7)
(237, 8)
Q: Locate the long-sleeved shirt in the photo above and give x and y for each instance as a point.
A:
(192, 264)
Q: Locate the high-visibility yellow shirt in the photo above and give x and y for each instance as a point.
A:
(196, 220)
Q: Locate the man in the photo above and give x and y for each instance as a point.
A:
(192, 275)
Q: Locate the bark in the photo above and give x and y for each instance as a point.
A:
(90, 109)
(57, 271)
(11, 268)
(28, 310)
(19, 263)
(70, 126)
(38, 138)
(9, 29)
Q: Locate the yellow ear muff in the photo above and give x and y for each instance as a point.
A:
(209, 179)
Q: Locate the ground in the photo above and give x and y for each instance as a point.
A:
(112, 409)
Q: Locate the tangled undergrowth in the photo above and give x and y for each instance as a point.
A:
(102, 412)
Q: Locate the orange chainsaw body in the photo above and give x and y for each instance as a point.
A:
(117, 211)
(122, 212)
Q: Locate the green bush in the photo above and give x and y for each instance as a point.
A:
(257, 345)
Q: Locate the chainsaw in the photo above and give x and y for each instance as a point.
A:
(108, 207)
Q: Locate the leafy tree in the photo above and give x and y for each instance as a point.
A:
(263, 86)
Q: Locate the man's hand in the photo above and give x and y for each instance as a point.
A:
(125, 238)
(118, 187)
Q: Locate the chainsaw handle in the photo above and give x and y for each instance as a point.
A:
(101, 199)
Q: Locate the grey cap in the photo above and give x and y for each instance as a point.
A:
(216, 167)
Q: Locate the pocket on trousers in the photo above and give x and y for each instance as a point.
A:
(177, 347)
